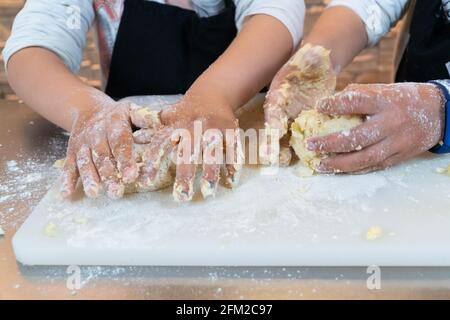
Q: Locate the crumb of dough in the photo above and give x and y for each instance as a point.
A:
(304, 172)
(2, 233)
(59, 164)
(444, 170)
(303, 190)
(207, 189)
(374, 233)
(312, 123)
(80, 220)
(51, 230)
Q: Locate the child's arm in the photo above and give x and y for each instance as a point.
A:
(251, 61)
(344, 40)
(101, 136)
(249, 64)
(42, 55)
(344, 29)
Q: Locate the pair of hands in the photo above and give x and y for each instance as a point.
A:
(100, 149)
(401, 120)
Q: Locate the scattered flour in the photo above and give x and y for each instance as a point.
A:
(12, 165)
(24, 181)
(149, 220)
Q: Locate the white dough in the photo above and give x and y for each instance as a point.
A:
(312, 123)
(163, 179)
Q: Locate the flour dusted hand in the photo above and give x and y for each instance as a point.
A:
(312, 123)
(100, 151)
(306, 77)
(184, 135)
(401, 121)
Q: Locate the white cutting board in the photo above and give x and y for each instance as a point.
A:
(270, 220)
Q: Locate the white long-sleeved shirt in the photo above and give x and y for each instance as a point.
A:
(62, 25)
(378, 16)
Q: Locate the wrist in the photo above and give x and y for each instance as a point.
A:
(443, 90)
(209, 94)
(85, 103)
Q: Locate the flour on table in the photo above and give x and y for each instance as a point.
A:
(12, 165)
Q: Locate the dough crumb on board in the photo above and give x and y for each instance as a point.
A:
(304, 172)
(444, 170)
(80, 220)
(59, 164)
(374, 233)
(51, 230)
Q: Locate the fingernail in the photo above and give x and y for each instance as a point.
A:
(208, 188)
(182, 193)
(322, 168)
(115, 190)
(65, 189)
(65, 193)
(92, 190)
(311, 146)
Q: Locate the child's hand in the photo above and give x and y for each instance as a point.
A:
(100, 151)
(403, 121)
(197, 128)
(307, 77)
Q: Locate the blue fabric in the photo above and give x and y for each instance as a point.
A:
(444, 85)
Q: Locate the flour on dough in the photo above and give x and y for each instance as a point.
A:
(312, 123)
(313, 80)
(164, 178)
(310, 77)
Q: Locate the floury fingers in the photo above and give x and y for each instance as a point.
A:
(307, 77)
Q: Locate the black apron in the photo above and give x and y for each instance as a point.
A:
(428, 50)
(162, 49)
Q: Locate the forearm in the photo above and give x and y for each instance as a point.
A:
(45, 84)
(340, 30)
(249, 64)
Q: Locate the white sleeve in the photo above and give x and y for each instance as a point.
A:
(290, 12)
(378, 15)
(60, 26)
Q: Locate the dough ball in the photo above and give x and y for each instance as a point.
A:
(164, 178)
(312, 123)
